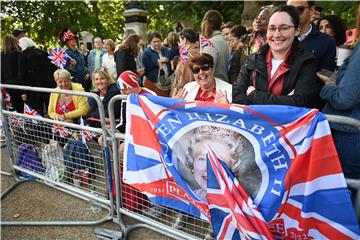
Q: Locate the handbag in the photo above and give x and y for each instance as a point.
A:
(164, 82)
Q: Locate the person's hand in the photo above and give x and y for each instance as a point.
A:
(140, 72)
(250, 90)
(291, 93)
(72, 62)
(220, 97)
(24, 97)
(87, 77)
(325, 79)
(61, 117)
(180, 93)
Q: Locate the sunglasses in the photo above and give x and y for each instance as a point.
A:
(302, 9)
(203, 68)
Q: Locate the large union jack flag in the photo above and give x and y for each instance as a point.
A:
(293, 173)
(30, 111)
(233, 213)
(204, 42)
(58, 56)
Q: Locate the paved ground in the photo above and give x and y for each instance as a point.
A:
(36, 201)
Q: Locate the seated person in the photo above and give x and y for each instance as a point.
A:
(343, 98)
(206, 87)
(106, 89)
(281, 73)
(64, 107)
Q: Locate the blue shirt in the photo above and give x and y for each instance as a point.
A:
(79, 71)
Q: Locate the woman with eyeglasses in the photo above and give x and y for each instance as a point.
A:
(206, 87)
(281, 73)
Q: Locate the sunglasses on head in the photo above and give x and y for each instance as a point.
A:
(203, 68)
(302, 9)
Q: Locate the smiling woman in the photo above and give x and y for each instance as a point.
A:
(206, 86)
(280, 73)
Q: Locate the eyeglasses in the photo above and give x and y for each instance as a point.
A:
(282, 29)
(302, 9)
(203, 68)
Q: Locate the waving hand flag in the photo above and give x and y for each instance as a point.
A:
(204, 42)
(30, 111)
(184, 55)
(85, 135)
(58, 56)
(60, 130)
(233, 213)
(283, 157)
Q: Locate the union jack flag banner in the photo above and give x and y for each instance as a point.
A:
(184, 55)
(58, 56)
(204, 42)
(60, 130)
(278, 165)
(16, 121)
(30, 111)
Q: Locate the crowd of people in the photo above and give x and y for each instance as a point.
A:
(278, 60)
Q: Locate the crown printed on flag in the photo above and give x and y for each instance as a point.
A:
(127, 79)
(217, 131)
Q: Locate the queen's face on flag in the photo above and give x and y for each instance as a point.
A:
(233, 148)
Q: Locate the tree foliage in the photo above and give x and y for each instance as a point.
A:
(44, 19)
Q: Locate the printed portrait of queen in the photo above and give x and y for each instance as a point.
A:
(232, 147)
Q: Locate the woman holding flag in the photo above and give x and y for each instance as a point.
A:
(189, 49)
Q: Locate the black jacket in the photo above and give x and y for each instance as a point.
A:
(112, 91)
(124, 62)
(301, 77)
(9, 67)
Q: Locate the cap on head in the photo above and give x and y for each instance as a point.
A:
(65, 35)
(17, 32)
(128, 79)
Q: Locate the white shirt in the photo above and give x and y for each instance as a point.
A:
(108, 62)
(275, 65)
(302, 37)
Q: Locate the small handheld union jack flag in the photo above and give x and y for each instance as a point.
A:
(184, 55)
(58, 56)
(85, 135)
(16, 121)
(30, 111)
(61, 130)
(233, 213)
(204, 42)
(68, 35)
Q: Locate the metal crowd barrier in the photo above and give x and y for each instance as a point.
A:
(352, 183)
(85, 176)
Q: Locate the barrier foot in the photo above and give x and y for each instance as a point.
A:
(13, 186)
(108, 234)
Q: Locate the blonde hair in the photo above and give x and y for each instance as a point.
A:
(61, 73)
(9, 44)
(111, 43)
(103, 73)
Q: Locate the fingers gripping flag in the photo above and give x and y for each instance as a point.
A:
(233, 213)
(58, 56)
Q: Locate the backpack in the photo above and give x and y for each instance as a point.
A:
(78, 157)
(29, 158)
